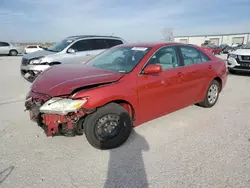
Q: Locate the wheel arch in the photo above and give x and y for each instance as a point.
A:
(127, 105)
(219, 80)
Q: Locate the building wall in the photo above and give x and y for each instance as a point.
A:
(217, 39)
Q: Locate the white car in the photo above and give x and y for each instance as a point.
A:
(239, 60)
(32, 48)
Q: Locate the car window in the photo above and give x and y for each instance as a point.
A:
(99, 44)
(121, 59)
(166, 57)
(32, 47)
(113, 42)
(190, 55)
(4, 44)
(82, 45)
(204, 57)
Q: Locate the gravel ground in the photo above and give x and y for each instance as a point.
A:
(193, 147)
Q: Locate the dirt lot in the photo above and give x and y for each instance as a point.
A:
(193, 147)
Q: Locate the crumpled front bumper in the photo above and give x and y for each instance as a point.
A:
(53, 124)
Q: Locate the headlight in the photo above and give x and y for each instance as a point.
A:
(233, 56)
(36, 61)
(62, 106)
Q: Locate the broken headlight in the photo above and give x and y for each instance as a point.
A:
(62, 106)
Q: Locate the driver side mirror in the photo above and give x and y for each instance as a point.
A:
(152, 69)
(71, 51)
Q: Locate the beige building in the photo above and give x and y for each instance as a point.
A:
(215, 39)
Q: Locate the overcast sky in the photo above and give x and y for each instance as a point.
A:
(134, 20)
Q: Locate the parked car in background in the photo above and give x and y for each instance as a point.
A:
(215, 50)
(226, 48)
(239, 60)
(32, 48)
(74, 49)
(7, 48)
(124, 87)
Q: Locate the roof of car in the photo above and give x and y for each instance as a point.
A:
(90, 36)
(155, 44)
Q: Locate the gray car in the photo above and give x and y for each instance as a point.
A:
(74, 49)
(8, 48)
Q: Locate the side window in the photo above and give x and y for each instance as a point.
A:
(166, 57)
(2, 44)
(99, 44)
(32, 47)
(204, 57)
(82, 45)
(190, 55)
(113, 42)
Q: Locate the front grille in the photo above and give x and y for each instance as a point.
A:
(245, 58)
(25, 61)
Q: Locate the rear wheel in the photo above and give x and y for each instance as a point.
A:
(109, 127)
(212, 95)
(13, 53)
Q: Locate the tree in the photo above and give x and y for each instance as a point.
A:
(168, 34)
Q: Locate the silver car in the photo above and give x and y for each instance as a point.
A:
(74, 49)
(8, 48)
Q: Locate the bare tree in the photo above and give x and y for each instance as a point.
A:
(168, 34)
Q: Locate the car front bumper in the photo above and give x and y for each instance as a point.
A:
(53, 124)
(30, 72)
(236, 65)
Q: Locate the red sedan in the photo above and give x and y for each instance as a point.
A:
(124, 87)
(215, 50)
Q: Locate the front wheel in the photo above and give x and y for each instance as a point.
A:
(212, 95)
(109, 127)
(13, 53)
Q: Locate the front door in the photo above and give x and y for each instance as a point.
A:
(161, 93)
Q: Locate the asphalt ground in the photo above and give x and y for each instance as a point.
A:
(193, 147)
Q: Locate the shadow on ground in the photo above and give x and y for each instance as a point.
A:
(5, 173)
(126, 167)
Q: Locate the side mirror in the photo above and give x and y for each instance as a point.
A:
(71, 51)
(152, 69)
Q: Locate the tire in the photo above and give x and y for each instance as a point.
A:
(123, 128)
(207, 103)
(231, 71)
(13, 53)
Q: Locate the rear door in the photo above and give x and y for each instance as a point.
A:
(4, 48)
(197, 66)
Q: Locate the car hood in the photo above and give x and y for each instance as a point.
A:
(64, 79)
(39, 53)
(241, 52)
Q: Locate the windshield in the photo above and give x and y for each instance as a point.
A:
(119, 59)
(60, 46)
(246, 46)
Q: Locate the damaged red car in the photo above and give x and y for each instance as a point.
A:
(123, 87)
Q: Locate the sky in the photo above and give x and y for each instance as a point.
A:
(133, 20)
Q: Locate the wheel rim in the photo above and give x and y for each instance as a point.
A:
(107, 127)
(212, 93)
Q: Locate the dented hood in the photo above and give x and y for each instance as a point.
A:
(63, 79)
